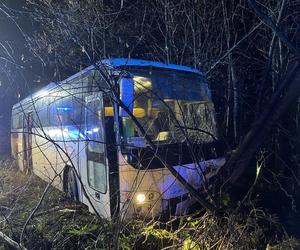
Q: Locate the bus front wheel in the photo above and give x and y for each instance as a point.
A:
(70, 184)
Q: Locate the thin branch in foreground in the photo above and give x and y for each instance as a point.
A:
(66, 208)
(11, 242)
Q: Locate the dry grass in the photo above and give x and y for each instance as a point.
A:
(19, 194)
(254, 229)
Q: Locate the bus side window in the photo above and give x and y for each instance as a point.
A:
(77, 114)
(15, 120)
(93, 127)
(20, 120)
(96, 167)
(39, 113)
(67, 111)
(97, 176)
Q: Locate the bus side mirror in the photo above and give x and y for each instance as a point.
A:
(126, 95)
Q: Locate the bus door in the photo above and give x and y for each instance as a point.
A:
(97, 185)
(27, 142)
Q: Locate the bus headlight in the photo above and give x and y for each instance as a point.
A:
(140, 198)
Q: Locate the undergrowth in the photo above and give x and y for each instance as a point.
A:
(253, 228)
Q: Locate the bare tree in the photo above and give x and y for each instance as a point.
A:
(250, 50)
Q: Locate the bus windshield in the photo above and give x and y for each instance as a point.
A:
(172, 106)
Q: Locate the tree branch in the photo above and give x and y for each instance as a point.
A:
(11, 242)
(268, 21)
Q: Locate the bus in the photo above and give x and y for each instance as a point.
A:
(90, 136)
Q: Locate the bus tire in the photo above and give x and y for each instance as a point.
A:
(70, 184)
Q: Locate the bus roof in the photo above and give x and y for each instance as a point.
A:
(123, 62)
(119, 62)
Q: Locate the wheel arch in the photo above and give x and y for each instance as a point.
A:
(69, 172)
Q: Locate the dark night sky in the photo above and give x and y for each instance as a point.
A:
(14, 80)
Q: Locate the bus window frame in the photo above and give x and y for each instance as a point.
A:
(88, 99)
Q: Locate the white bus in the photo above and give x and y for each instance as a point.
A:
(76, 135)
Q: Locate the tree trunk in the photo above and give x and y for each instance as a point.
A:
(239, 161)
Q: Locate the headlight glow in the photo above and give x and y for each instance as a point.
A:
(140, 198)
